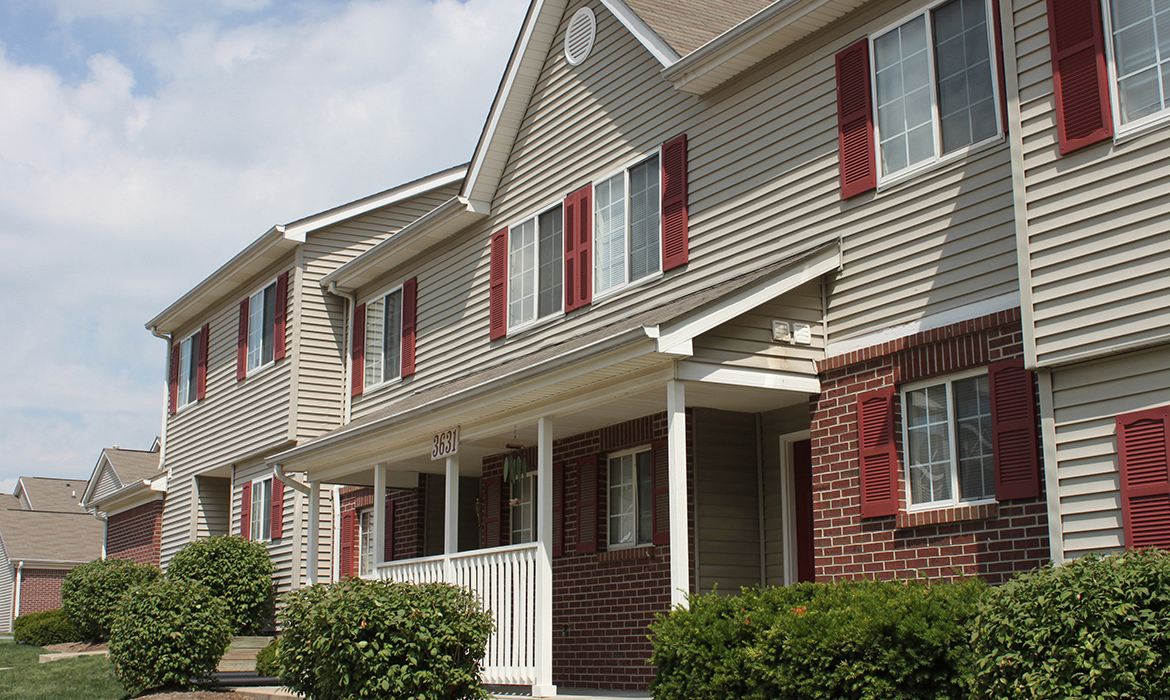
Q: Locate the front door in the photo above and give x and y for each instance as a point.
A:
(802, 487)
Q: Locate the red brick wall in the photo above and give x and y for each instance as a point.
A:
(993, 541)
(40, 590)
(136, 534)
(408, 518)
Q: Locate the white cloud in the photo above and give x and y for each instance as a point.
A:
(114, 202)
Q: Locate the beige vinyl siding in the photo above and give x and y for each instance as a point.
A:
(281, 550)
(106, 484)
(1098, 243)
(1087, 398)
(214, 513)
(763, 183)
(727, 511)
(7, 583)
(747, 340)
(774, 425)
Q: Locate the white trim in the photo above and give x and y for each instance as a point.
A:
(1050, 466)
(695, 371)
(788, 501)
(658, 48)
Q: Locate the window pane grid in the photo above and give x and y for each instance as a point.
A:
(255, 329)
(609, 223)
(261, 510)
(392, 344)
(523, 510)
(972, 405)
(366, 550)
(186, 373)
(948, 442)
(631, 483)
(551, 252)
(1141, 50)
(522, 273)
(645, 219)
(375, 339)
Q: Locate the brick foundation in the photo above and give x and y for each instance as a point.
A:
(40, 590)
(992, 541)
(136, 534)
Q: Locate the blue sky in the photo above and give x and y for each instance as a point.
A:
(145, 142)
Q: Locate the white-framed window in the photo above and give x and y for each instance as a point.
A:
(188, 370)
(261, 526)
(384, 338)
(261, 327)
(1138, 44)
(631, 484)
(522, 513)
(366, 542)
(536, 266)
(627, 226)
(947, 441)
(934, 86)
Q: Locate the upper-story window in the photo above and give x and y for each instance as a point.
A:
(1140, 45)
(384, 338)
(536, 251)
(627, 226)
(934, 85)
(187, 386)
(631, 483)
(948, 441)
(261, 327)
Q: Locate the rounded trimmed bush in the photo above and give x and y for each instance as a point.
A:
(376, 639)
(90, 593)
(45, 628)
(1096, 627)
(168, 633)
(234, 569)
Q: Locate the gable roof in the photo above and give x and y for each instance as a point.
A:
(126, 467)
(49, 494)
(685, 25)
(44, 536)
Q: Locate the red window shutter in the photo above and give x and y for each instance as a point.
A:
(660, 505)
(1076, 37)
(498, 287)
(276, 512)
(409, 322)
(358, 352)
(587, 515)
(493, 489)
(558, 488)
(877, 453)
(1013, 430)
(281, 316)
(201, 367)
(579, 248)
(388, 545)
(855, 121)
(675, 236)
(1142, 446)
(242, 342)
(345, 556)
(173, 379)
(246, 511)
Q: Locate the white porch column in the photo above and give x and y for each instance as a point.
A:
(379, 513)
(314, 546)
(676, 446)
(451, 519)
(544, 580)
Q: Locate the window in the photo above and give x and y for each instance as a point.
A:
(627, 225)
(535, 267)
(366, 542)
(261, 327)
(384, 338)
(631, 484)
(1139, 41)
(934, 85)
(188, 370)
(261, 526)
(523, 509)
(948, 439)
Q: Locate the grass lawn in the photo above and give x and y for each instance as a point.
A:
(83, 678)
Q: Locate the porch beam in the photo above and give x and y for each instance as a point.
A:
(676, 445)
(314, 546)
(544, 579)
(379, 513)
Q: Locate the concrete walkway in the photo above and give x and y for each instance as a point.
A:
(46, 658)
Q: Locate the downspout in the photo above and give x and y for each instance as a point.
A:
(346, 395)
(105, 535)
(162, 442)
(278, 473)
(16, 595)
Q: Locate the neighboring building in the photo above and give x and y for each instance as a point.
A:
(256, 367)
(48, 493)
(126, 490)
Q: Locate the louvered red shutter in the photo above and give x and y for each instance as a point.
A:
(660, 505)
(493, 488)
(388, 546)
(1076, 37)
(675, 235)
(276, 512)
(579, 248)
(587, 515)
(409, 323)
(1143, 450)
(877, 453)
(357, 353)
(558, 488)
(281, 318)
(246, 511)
(173, 379)
(345, 556)
(201, 367)
(1013, 431)
(855, 121)
(242, 342)
(498, 286)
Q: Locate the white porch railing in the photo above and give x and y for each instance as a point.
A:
(504, 580)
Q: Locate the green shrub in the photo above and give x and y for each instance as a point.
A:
(859, 639)
(45, 628)
(168, 633)
(1098, 627)
(90, 593)
(266, 662)
(374, 639)
(236, 570)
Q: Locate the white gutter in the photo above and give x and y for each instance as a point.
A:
(347, 381)
(16, 594)
(278, 473)
(105, 535)
(162, 439)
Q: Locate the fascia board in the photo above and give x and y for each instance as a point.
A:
(45, 563)
(131, 496)
(642, 32)
(692, 371)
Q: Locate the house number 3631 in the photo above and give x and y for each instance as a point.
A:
(445, 444)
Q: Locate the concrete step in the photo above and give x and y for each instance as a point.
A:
(256, 643)
(241, 654)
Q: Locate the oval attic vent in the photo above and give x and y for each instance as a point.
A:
(579, 38)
